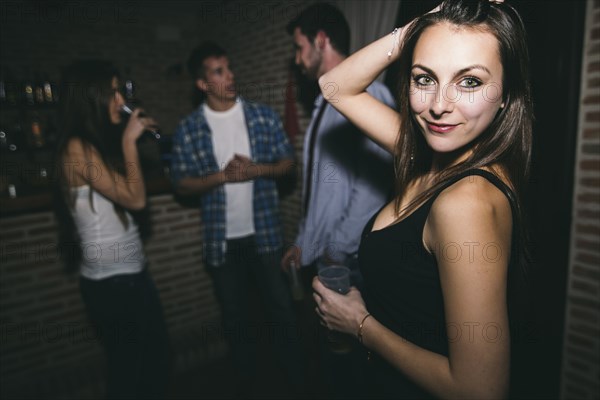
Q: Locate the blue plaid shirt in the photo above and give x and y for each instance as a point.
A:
(193, 156)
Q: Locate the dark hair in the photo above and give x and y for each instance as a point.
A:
(195, 62)
(506, 142)
(195, 66)
(327, 18)
(85, 92)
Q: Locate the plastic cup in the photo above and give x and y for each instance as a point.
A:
(335, 277)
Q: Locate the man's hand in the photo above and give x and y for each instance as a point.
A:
(291, 256)
(241, 169)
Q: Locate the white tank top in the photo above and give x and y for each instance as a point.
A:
(108, 248)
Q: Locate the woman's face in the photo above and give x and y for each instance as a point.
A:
(115, 102)
(456, 85)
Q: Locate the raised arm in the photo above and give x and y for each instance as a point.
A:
(82, 164)
(344, 87)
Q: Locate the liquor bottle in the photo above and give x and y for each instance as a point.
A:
(11, 139)
(38, 89)
(28, 95)
(36, 131)
(48, 91)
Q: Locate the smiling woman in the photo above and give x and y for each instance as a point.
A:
(449, 88)
(439, 323)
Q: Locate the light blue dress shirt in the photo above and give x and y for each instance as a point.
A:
(352, 179)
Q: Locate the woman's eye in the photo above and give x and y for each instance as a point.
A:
(470, 83)
(424, 80)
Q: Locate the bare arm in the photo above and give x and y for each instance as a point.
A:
(242, 169)
(239, 169)
(84, 165)
(276, 170)
(344, 87)
(199, 185)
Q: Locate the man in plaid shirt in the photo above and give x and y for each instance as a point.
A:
(230, 151)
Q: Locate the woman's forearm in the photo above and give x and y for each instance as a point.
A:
(344, 87)
(432, 371)
(135, 186)
(357, 72)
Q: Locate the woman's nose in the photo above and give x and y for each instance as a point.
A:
(444, 99)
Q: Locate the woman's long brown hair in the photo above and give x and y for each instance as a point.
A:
(86, 89)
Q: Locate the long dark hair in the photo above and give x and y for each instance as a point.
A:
(507, 141)
(85, 92)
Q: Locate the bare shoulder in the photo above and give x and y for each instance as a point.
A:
(77, 150)
(74, 149)
(76, 158)
(473, 193)
(470, 209)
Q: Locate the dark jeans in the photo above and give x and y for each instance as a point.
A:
(127, 311)
(231, 282)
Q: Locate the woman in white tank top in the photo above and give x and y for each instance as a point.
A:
(100, 183)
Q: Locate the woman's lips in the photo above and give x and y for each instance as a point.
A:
(440, 128)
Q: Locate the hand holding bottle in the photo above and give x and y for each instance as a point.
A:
(149, 124)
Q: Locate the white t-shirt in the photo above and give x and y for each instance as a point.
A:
(230, 137)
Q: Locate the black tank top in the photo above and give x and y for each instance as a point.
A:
(402, 287)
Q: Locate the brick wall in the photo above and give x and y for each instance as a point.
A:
(581, 352)
(44, 334)
(44, 331)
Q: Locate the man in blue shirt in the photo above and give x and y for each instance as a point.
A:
(347, 177)
(230, 151)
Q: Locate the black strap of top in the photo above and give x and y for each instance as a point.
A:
(491, 178)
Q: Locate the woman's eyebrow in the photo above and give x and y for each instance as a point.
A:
(424, 68)
(471, 67)
(456, 74)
